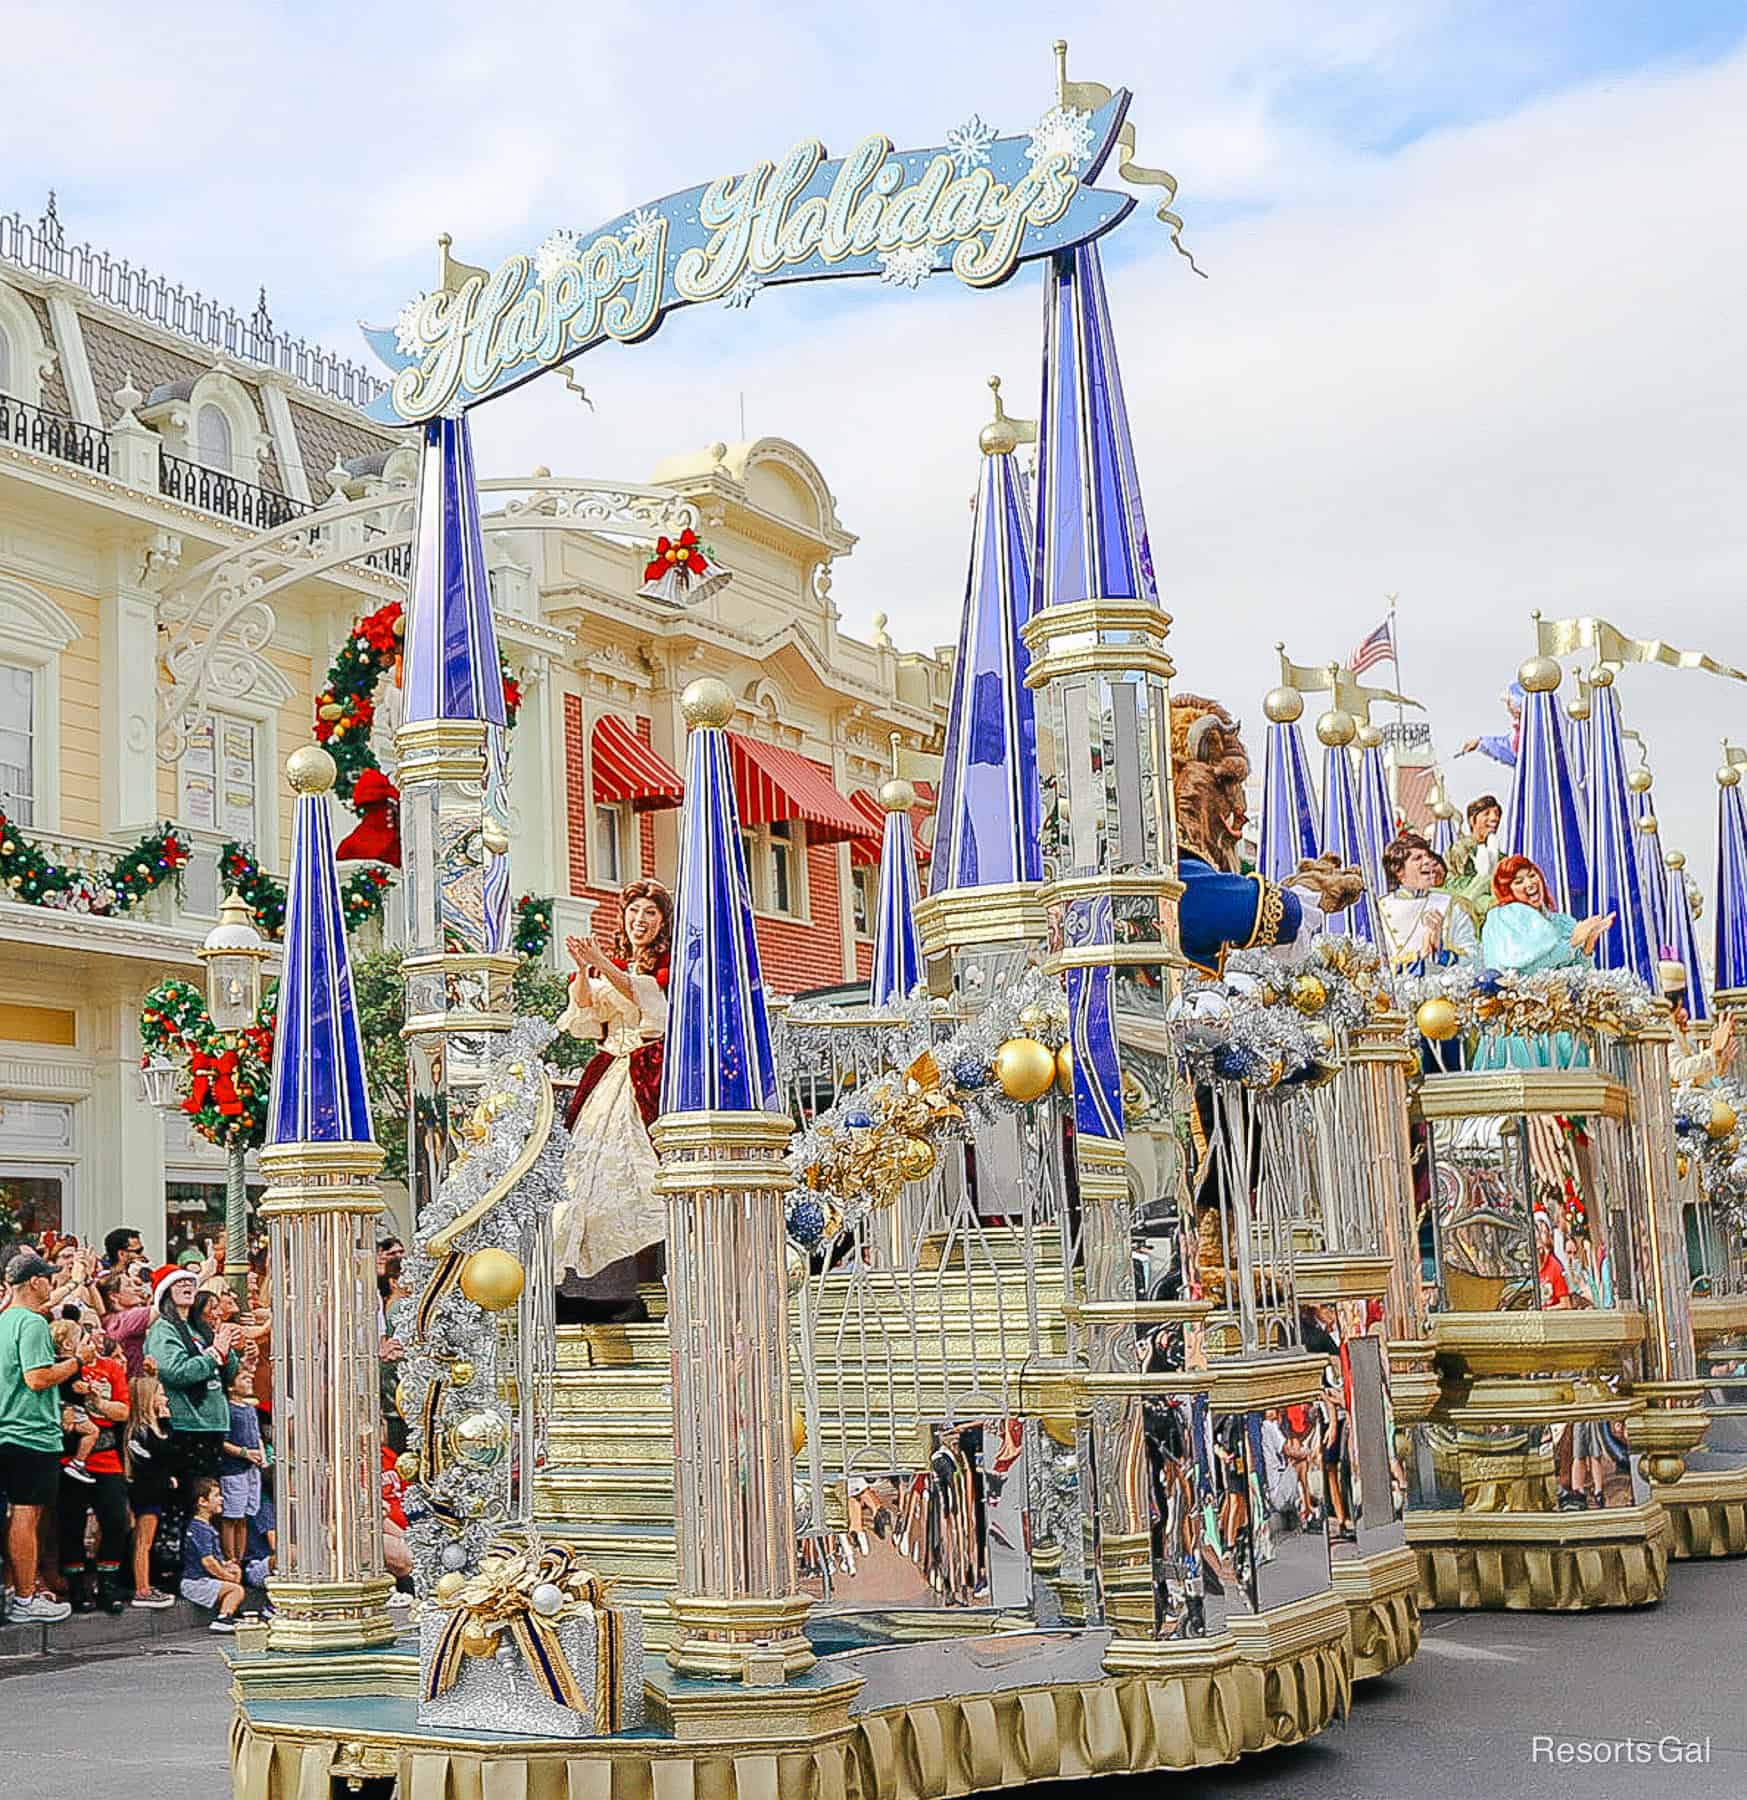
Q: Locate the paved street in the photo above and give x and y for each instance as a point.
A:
(1460, 1722)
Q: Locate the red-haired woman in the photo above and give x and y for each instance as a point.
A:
(610, 1212)
(1523, 933)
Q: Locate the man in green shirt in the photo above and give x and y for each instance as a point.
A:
(30, 1429)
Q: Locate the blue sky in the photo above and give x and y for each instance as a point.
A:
(1473, 330)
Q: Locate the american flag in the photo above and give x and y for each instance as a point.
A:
(1378, 647)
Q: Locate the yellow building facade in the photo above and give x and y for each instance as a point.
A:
(194, 513)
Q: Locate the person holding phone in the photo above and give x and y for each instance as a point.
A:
(194, 1361)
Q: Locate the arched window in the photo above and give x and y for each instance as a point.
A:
(213, 439)
(5, 363)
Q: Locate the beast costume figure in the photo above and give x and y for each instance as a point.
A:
(1223, 907)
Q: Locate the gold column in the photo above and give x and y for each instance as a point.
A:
(738, 1608)
(331, 1590)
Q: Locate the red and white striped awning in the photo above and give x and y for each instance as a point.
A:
(774, 784)
(627, 770)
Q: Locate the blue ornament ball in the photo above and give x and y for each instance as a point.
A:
(1231, 1062)
(970, 1074)
(806, 1222)
(1487, 982)
(858, 1119)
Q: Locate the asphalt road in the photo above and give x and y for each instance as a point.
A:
(1462, 1721)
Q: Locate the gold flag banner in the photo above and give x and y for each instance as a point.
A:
(1565, 637)
(497, 1605)
(1088, 96)
(1348, 695)
(919, 765)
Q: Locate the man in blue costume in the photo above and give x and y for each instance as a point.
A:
(1223, 908)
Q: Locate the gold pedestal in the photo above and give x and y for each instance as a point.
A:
(1540, 1562)
(1707, 1513)
(1381, 1595)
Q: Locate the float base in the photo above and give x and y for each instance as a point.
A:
(1382, 1600)
(1540, 1561)
(1707, 1513)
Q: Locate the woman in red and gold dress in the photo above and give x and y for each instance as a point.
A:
(610, 1211)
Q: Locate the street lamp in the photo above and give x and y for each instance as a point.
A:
(233, 954)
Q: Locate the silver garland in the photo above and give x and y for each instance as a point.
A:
(461, 1332)
(1607, 993)
(1721, 1170)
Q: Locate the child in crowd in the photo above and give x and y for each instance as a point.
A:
(261, 1545)
(239, 1473)
(148, 1481)
(80, 1429)
(208, 1577)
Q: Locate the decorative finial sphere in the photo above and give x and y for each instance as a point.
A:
(1539, 675)
(1728, 776)
(706, 701)
(1675, 859)
(999, 437)
(897, 795)
(1283, 705)
(1369, 737)
(1601, 676)
(1577, 710)
(1647, 824)
(310, 770)
(1638, 780)
(1335, 729)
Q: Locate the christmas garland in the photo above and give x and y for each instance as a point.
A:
(345, 709)
(1459, 1001)
(533, 925)
(229, 1071)
(1708, 1122)
(33, 878)
(363, 893)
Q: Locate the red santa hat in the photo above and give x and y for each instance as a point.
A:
(166, 1278)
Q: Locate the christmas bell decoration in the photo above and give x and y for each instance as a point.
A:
(679, 572)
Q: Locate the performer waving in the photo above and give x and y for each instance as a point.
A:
(1523, 933)
(611, 1211)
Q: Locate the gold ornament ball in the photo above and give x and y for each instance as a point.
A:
(1335, 729)
(1283, 705)
(1638, 780)
(479, 1640)
(1728, 776)
(1059, 1428)
(707, 701)
(448, 1586)
(400, 1403)
(1309, 993)
(897, 795)
(481, 1438)
(1437, 1019)
(310, 770)
(1722, 1119)
(915, 1158)
(461, 1374)
(1064, 1068)
(1025, 1069)
(492, 1279)
(1539, 675)
(407, 1465)
(797, 1431)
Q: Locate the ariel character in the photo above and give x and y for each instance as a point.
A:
(1523, 933)
(610, 1211)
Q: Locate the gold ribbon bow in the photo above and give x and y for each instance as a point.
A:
(497, 1604)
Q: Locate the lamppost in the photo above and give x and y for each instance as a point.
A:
(233, 954)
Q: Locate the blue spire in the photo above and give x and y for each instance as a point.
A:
(1651, 871)
(718, 1032)
(897, 957)
(1615, 874)
(1341, 833)
(452, 668)
(1543, 821)
(1730, 963)
(986, 825)
(317, 1094)
(1579, 731)
(1376, 809)
(1683, 938)
(1286, 834)
(1091, 528)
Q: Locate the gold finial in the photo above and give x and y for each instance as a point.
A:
(1061, 71)
(897, 795)
(1335, 729)
(1638, 780)
(1728, 776)
(1539, 675)
(1675, 859)
(1282, 705)
(1601, 676)
(1647, 824)
(706, 701)
(1577, 710)
(1369, 737)
(310, 770)
(452, 274)
(1002, 435)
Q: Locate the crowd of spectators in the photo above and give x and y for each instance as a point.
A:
(136, 1432)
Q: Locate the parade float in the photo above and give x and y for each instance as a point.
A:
(1048, 1379)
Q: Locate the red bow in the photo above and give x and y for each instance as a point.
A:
(676, 553)
(213, 1075)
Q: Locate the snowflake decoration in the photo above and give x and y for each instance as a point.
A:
(557, 250)
(908, 266)
(742, 294)
(1064, 131)
(408, 339)
(969, 143)
(639, 229)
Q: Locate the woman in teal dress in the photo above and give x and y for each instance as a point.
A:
(1522, 933)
